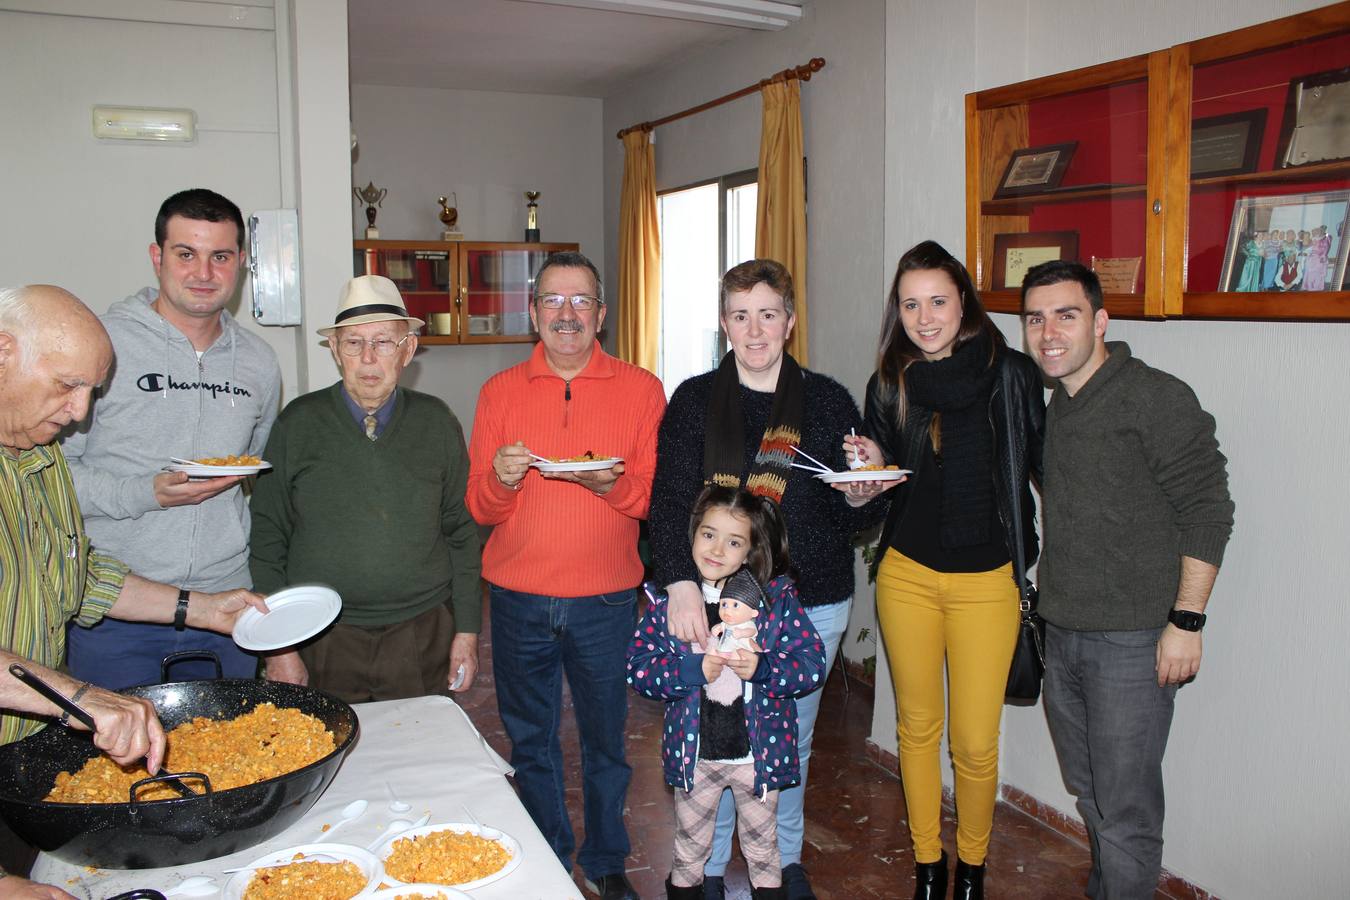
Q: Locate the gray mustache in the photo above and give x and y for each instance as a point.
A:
(566, 327)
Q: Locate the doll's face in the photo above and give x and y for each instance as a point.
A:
(734, 612)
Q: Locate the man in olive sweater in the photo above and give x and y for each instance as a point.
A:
(1137, 515)
(367, 495)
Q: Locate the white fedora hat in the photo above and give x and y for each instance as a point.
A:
(370, 298)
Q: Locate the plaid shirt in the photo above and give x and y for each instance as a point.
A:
(48, 575)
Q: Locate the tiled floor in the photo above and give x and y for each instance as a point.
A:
(857, 843)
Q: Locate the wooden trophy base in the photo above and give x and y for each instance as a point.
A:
(372, 233)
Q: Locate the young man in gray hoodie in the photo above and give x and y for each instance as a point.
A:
(188, 382)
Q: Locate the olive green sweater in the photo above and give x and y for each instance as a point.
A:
(383, 522)
(1134, 481)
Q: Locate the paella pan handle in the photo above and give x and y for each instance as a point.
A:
(175, 781)
(52, 694)
(181, 655)
(82, 716)
(140, 894)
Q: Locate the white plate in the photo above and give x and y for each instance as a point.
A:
(422, 887)
(501, 837)
(197, 470)
(863, 475)
(297, 614)
(592, 465)
(364, 859)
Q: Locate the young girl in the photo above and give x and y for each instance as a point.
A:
(731, 720)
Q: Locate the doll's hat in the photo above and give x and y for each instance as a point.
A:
(743, 587)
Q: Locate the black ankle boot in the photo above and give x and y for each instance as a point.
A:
(694, 892)
(969, 881)
(768, 893)
(930, 879)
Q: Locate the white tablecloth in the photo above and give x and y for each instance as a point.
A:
(432, 757)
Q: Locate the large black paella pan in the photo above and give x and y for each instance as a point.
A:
(159, 833)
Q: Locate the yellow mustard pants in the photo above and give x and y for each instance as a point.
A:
(968, 620)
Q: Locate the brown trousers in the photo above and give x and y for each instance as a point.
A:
(389, 662)
(696, 816)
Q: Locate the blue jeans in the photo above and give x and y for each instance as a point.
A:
(116, 654)
(830, 621)
(1109, 721)
(536, 640)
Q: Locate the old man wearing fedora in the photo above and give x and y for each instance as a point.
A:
(366, 494)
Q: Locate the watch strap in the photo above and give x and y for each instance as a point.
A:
(64, 721)
(180, 612)
(1187, 620)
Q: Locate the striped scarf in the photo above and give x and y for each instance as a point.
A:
(724, 440)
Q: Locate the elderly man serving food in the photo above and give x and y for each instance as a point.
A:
(367, 495)
(53, 353)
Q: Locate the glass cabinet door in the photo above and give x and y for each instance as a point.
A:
(423, 276)
(1064, 172)
(495, 290)
(1268, 199)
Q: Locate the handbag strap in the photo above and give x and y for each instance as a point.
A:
(1019, 548)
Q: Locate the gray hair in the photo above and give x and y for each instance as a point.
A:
(569, 259)
(19, 318)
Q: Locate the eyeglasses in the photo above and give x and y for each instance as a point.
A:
(580, 302)
(355, 346)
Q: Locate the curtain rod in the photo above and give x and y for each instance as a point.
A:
(802, 73)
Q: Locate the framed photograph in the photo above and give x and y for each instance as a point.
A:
(1119, 274)
(401, 268)
(1228, 144)
(1034, 170)
(1316, 126)
(1015, 253)
(1293, 242)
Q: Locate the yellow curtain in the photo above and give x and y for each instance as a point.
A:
(780, 229)
(639, 255)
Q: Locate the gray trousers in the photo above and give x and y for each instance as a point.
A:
(1109, 721)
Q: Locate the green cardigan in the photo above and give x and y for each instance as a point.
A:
(383, 522)
(1133, 481)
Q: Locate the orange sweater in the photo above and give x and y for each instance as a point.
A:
(555, 537)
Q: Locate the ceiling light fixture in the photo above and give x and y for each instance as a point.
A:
(765, 15)
(130, 123)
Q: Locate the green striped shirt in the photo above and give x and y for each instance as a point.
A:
(48, 575)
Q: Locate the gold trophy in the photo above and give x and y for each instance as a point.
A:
(449, 216)
(532, 223)
(371, 196)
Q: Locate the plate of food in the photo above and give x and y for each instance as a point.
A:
(586, 462)
(294, 614)
(867, 473)
(219, 466)
(306, 871)
(422, 891)
(455, 854)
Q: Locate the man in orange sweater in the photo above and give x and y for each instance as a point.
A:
(562, 561)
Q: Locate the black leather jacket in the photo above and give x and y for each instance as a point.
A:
(904, 446)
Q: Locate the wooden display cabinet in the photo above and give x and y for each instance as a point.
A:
(1128, 196)
(468, 292)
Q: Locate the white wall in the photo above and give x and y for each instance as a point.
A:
(842, 120)
(80, 212)
(1257, 806)
(488, 148)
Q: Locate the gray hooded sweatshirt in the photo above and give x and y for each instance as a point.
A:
(161, 401)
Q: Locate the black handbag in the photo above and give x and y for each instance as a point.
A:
(1028, 662)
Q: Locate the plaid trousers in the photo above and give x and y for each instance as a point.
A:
(696, 817)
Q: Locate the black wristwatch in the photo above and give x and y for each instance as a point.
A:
(180, 613)
(1186, 620)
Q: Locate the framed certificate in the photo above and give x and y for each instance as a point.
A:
(1015, 253)
(1228, 144)
(1035, 170)
(1316, 126)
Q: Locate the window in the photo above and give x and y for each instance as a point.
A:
(705, 230)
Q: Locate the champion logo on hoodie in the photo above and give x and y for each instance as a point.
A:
(154, 383)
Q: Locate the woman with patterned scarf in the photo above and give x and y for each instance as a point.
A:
(945, 586)
(737, 425)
